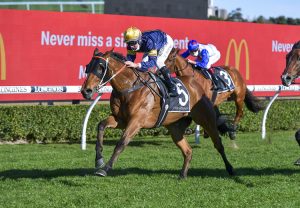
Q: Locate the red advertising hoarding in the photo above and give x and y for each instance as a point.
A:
(40, 48)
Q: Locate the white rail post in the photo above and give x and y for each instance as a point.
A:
(197, 134)
(263, 127)
(83, 136)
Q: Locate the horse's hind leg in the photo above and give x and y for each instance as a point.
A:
(109, 122)
(177, 131)
(239, 104)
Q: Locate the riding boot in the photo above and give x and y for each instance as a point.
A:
(170, 85)
(215, 82)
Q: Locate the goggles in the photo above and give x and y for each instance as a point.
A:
(132, 43)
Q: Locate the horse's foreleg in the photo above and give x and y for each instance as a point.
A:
(109, 122)
(177, 131)
(219, 146)
(204, 115)
(297, 137)
(131, 130)
(210, 126)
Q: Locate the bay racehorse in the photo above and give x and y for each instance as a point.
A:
(240, 94)
(292, 68)
(290, 74)
(135, 104)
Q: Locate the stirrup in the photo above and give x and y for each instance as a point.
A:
(173, 92)
(215, 88)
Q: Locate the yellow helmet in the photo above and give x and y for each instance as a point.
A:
(132, 34)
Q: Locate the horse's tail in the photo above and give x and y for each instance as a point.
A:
(252, 103)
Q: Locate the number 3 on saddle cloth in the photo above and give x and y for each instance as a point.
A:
(225, 81)
(180, 103)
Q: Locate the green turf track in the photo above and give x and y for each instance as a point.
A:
(61, 175)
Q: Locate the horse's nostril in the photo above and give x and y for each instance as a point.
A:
(88, 91)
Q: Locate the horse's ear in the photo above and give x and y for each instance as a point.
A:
(112, 50)
(177, 50)
(96, 51)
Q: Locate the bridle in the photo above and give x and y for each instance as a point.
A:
(104, 64)
(177, 70)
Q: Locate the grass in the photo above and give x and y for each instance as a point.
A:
(146, 175)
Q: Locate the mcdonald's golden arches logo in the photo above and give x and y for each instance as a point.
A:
(237, 54)
(2, 59)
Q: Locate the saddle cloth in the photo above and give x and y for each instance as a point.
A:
(180, 103)
(225, 81)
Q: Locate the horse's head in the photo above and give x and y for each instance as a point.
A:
(177, 64)
(95, 72)
(101, 70)
(292, 69)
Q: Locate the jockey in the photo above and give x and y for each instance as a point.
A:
(156, 46)
(206, 56)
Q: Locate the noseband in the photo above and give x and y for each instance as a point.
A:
(104, 65)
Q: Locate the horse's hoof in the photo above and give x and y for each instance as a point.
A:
(231, 171)
(205, 135)
(232, 135)
(99, 163)
(297, 162)
(101, 172)
(182, 176)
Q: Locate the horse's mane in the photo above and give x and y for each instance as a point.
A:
(296, 45)
(118, 56)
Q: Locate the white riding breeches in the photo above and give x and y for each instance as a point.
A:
(213, 59)
(214, 55)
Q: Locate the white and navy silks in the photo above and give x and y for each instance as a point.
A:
(156, 46)
(207, 55)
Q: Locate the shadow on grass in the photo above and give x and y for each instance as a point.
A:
(215, 173)
(132, 143)
(140, 143)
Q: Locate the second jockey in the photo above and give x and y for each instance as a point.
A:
(156, 46)
(206, 55)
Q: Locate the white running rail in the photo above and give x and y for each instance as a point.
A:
(108, 89)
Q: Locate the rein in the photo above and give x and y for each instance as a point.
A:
(105, 71)
(144, 82)
(179, 70)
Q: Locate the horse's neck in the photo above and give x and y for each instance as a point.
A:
(124, 80)
(183, 67)
(188, 71)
